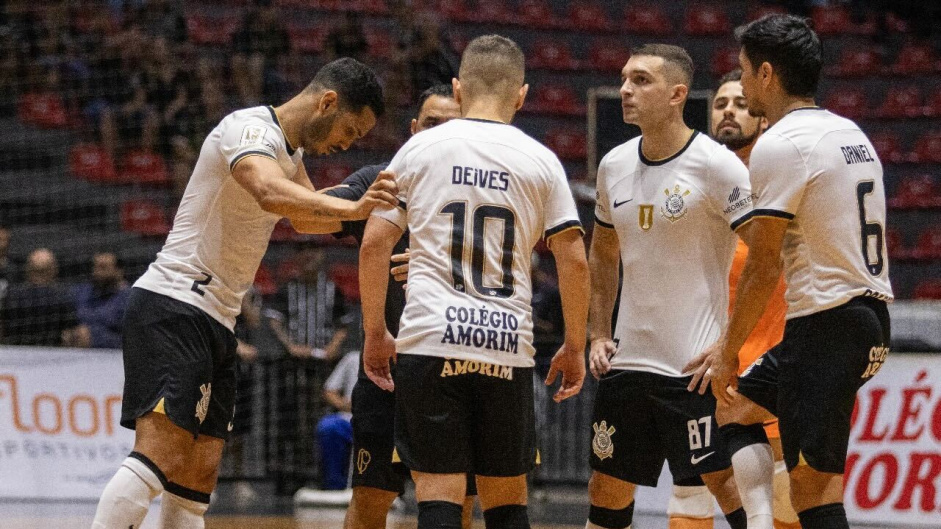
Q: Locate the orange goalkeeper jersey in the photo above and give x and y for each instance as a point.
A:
(770, 327)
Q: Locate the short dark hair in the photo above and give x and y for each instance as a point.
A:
(440, 89)
(735, 75)
(490, 61)
(790, 46)
(354, 82)
(672, 55)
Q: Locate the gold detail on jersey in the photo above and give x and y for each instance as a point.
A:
(395, 456)
(159, 408)
(674, 207)
(757, 362)
(602, 444)
(202, 407)
(362, 460)
(645, 219)
(538, 457)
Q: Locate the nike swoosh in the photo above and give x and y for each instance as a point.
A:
(696, 460)
(618, 204)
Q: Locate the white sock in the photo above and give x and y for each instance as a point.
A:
(783, 510)
(691, 502)
(753, 467)
(181, 513)
(126, 498)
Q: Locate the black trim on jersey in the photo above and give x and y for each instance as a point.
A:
(241, 155)
(287, 142)
(555, 230)
(761, 213)
(481, 120)
(603, 223)
(646, 161)
(403, 205)
(805, 108)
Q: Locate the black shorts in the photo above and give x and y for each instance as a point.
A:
(809, 380)
(454, 416)
(641, 419)
(179, 361)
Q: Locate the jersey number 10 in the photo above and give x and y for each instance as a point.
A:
(458, 213)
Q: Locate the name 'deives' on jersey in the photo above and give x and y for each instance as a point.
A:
(476, 197)
(220, 233)
(820, 171)
(674, 219)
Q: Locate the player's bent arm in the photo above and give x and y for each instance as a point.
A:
(317, 227)
(764, 237)
(379, 239)
(603, 267)
(264, 179)
(568, 248)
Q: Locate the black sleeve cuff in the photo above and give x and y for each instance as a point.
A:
(761, 213)
(569, 224)
(241, 155)
(603, 224)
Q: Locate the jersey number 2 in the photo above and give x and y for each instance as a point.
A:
(458, 213)
(869, 230)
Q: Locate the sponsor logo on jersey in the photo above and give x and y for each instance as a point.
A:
(737, 201)
(674, 207)
(696, 460)
(363, 457)
(202, 407)
(481, 328)
(252, 135)
(645, 217)
(602, 444)
(453, 368)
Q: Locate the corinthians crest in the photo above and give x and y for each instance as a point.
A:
(602, 444)
(674, 208)
(202, 407)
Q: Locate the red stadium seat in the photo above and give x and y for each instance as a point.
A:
(211, 31)
(144, 167)
(847, 102)
(724, 60)
(144, 217)
(916, 192)
(902, 102)
(706, 20)
(537, 14)
(933, 108)
(494, 12)
(759, 10)
(928, 246)
(588, 16)
(858, 62)
(607, 56)
(91, 162)
(927, 148)
(456, 10)
(835, 20)
(893, 244)
(264, 281)
(916, 59)
(647, 19)
(43, 109)
(306, 38)
(552, 55)
(374, 7)
(556, 99)
(928, 289)
(331, 174)
(568, 144)
(887, 147)
(382, 44)
(346, 278)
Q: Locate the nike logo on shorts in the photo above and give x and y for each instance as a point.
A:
(619, 204)
(696, 460)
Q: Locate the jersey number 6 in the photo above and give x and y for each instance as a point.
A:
(870, 230)
(458, 213)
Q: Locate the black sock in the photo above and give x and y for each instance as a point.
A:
(439, 515)
(737, 519)
(611, 518)
(507, 517)
(830, 516)
(738, 436)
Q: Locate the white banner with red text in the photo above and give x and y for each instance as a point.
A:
(59, 415)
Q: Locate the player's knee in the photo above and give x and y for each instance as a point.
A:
(722, 485)
(496, 492)
(372, 500)
(611, 518)
(690, 502)
(737, 436)
(610, 493)
(811, 488)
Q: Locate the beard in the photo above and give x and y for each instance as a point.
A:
(736, 139)
(316, 133)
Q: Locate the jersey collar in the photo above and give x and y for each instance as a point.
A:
(647, 161)
(287, 142)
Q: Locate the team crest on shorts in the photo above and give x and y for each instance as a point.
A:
(674, 208)
(362, 460)
(602, 444)
(202, 407)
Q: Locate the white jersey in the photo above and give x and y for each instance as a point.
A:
(220, 233)
(820, 171)
(674, 219)
(476, 197)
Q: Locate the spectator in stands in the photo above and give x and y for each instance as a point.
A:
(314, 307)
(100, 303)
(7, 268)
(334, 431)
(41, 311)
(424, 49)
(258, 45)
(347, 39)
(161, 18)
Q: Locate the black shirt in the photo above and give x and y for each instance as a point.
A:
(36, 315)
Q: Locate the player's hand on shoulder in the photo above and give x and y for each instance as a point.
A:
(571, 364)
(599, 356)
(382, 192)
(378, 350)
(400, 272)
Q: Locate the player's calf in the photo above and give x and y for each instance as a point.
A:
(612, 502)
(722, 485)
(368, 508)
(818, 498)
(504, 502)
